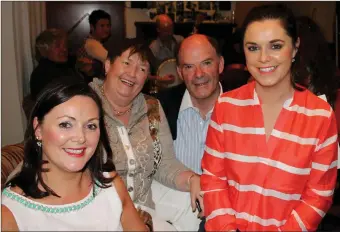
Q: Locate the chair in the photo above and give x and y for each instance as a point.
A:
(11, 156)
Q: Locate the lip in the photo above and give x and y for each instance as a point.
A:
(75, 154)
(269, 71)
(126, 84)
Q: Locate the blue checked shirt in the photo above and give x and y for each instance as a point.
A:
(191, 134)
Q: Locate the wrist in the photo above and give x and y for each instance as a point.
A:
(191, 177)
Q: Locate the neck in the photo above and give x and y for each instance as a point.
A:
(206, 104)
(118, 104)
(277, 94)
(66, 184)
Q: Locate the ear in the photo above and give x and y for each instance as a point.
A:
(37, 128)
(297, 45)
(221, 65)
(179, 72)
(91, 29)
(107, 66)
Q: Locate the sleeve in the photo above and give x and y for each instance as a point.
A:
(170, 167)
(316, 199)
(96, 50)
(217, 206)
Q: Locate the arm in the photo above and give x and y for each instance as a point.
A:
(8, 222)
(317, 196)
(130, 219)
(218, 210)
(96, 50)
(171, 172)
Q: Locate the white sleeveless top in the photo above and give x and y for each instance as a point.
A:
(93, 213)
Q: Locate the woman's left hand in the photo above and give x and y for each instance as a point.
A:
(195, 193)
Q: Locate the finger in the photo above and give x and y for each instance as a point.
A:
(193, 203)
(200, 199)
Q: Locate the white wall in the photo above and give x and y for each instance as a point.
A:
(12, 128)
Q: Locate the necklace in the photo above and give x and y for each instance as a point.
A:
(116, 112)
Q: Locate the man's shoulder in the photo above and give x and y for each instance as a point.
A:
(178, 38)
(154, 44)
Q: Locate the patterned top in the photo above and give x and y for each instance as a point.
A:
(142, 145)
(284, 184)
(33, 216)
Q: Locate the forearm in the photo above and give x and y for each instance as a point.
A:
(183, 180)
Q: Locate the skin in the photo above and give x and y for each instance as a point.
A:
(57, 51)
(102, 30)
(124, 81)
(72, 124)
(199, 67)
(267, 45)
(165, 28)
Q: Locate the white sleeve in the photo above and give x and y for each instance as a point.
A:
(96, 50)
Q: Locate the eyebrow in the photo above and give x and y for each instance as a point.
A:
(207, 59)
(74, 119)
(272, 41)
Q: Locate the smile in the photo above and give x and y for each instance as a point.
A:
(75, 152)
(268, 69)
(127, 82)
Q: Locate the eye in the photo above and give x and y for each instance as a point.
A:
(143, 69)
(126, 63)
(65, 125)
(187, 66)
(208, 62)
(252, 48)
(92, 126)
(276, 46)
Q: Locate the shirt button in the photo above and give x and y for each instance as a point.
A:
(130, 174)
(132, 161)
(130, 189)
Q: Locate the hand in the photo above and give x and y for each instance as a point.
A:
(195, 194)
(146, 218)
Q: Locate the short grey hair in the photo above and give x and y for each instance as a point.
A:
(46, 38)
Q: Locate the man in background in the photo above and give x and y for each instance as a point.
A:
(92, 55)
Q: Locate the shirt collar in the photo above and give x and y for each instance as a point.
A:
(187, 102)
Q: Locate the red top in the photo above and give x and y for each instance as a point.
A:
(284, 184)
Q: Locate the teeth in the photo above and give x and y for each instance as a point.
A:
(127, 82)
(269, 69)
(74, 151)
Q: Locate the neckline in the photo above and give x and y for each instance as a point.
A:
(48, 208)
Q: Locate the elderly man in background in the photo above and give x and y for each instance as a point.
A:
(166, 44)
(92, 55)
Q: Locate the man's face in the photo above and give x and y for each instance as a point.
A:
(199, 67)
(165, 31)
(102, 30)
(57, 51)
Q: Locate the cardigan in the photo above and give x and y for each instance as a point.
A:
(142, 144)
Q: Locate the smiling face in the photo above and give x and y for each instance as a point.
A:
(269, 52)
(57, 51)
(126, 76)
(69, 134)
(199, 67)
(102, 30)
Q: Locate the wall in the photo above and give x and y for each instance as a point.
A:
(11, 113)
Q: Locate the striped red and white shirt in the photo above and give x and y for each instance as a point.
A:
(284, 184)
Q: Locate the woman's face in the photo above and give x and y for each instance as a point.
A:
(126, 76)
(269, 52)
(69, 134)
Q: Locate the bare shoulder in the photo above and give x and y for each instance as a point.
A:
(120, 186)
(8, 222)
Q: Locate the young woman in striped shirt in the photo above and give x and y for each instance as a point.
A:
(271, 151)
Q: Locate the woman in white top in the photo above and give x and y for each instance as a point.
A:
(64, 184)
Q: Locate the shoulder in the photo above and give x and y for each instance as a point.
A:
(8, 222)
(179, 38)
(243, 92)
(313, 102)
(153, 45)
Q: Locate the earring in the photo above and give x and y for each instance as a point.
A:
(293, 60)
(38, 142)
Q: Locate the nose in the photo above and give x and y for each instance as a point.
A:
(79, 136)
(132, 71)
(264, 56)
(199, 71)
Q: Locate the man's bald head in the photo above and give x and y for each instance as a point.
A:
(164, 26)
(197, 40)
